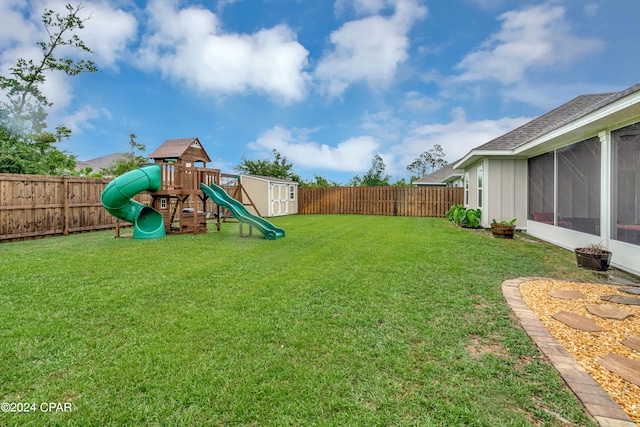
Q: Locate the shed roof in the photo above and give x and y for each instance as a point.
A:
(175, 149)
(271, 178)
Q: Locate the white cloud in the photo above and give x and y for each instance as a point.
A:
(537, 37)
(189, 45)
(83, 117)
(361, 7)
(591, 9)
(107, 32)
(14, 28)
(352, 155)
(368, 49)
(456, 137)
(417, 102)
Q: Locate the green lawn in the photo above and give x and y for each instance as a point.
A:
(348, 321)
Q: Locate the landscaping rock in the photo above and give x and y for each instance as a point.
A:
(565, 294)
(577, 322)
(634, 290)
(632, 342)
(627, 368)
(608, 311)
(621, 299)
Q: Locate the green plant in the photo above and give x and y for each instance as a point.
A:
(464, 217)
(594, 248)
(503, 222)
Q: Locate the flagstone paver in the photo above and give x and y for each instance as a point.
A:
(608, 311)
(628, 369)
(577, 321)
(634, 290)
(621, 299)
(566, 294)
(632, 342)
(606, 411)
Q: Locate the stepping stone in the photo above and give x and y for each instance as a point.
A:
(622, 281)
(621, 299)
(564, 294)
(577, 322)
(627, 368)
(635, 291)
(632, 342)
(608, 311)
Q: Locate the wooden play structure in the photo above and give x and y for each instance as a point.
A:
(184, 207)
(185, 197)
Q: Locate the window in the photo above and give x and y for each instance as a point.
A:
(480, 172)
(466, 188)
(163, 203)
(541, 188)
(625, 206)
(292, 192)
(578, 187)
(564, 187)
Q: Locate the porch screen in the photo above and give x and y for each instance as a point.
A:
(540, 182)
(579, 186)
(626, 184)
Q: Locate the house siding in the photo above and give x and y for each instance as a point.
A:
(507, 179)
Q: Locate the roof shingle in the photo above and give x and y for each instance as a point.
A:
(566, 113)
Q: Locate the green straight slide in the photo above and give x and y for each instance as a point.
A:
(117, 200)
(237, 209)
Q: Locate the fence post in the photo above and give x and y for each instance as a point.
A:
(65, 204)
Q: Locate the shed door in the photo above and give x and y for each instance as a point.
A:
(279, 199)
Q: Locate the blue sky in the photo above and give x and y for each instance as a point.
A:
(329, 84)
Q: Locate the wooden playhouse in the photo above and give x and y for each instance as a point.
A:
(184, 207)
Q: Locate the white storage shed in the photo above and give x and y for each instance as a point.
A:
(271, 196)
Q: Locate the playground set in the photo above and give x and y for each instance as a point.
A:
(184, 197)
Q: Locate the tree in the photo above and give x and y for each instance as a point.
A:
(34, 156)
(375, 175)
(23, 114)
(428, 162)
(129, 161)
(320, 182)
(277, 168)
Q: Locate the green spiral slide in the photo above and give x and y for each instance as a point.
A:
(117, 200)
(237, 209)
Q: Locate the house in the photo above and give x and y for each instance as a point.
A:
(102, 162)
(270, 196)
(571, 176)
(447, 176)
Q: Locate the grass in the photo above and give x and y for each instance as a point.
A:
(349, 320)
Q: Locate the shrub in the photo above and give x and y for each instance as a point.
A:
(464, 217)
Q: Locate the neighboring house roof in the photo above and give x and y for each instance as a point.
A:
(271, 178)
(567, 113)
(441, 176)
(176, 149)
(100, 162)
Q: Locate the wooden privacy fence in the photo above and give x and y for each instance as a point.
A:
(33, 206)
(393, 201)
